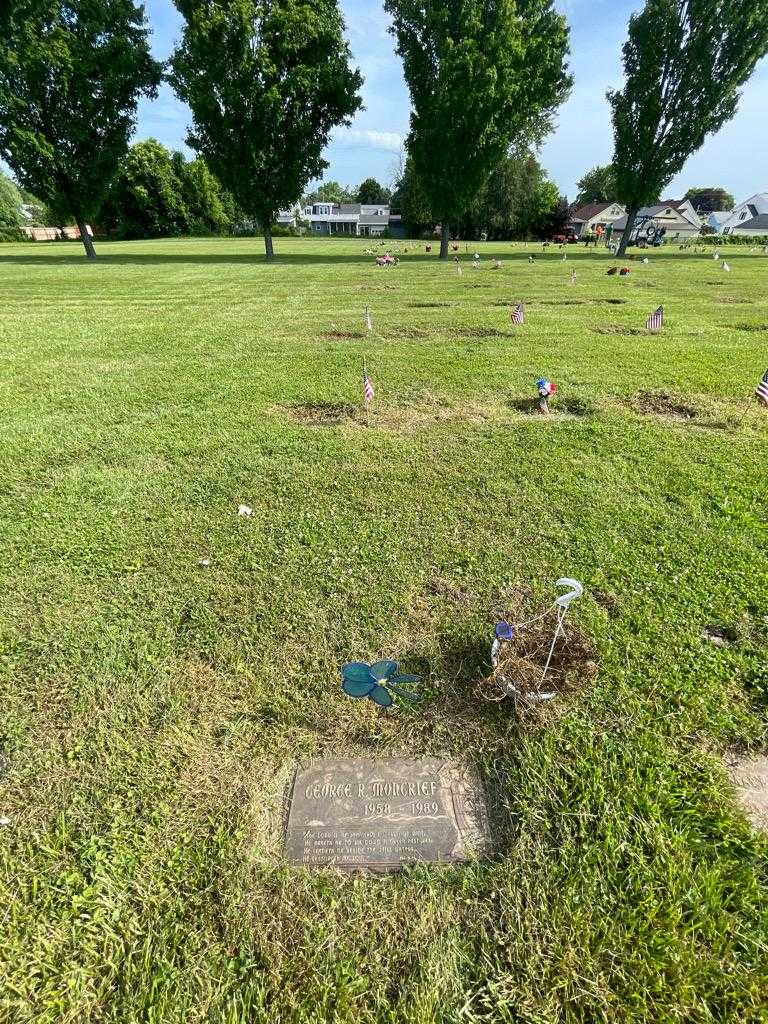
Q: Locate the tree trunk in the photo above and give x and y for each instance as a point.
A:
(445, 237)
(631, 215)
(268, 247)
(87, 241)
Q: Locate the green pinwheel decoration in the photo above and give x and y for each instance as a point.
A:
(376, 682)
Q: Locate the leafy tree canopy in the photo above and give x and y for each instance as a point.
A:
(71, 74)
(597, 186)
(370, 191)
(482, 76)
(158, 194)
(332, 192)
(516, 201)
(684, 62)
(267, 83)
(707, 200)
(10, 204)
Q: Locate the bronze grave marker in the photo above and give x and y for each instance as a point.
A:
(384, 814)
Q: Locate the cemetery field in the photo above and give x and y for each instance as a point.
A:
(164, 661)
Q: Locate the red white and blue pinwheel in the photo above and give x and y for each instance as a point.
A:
(361, 680)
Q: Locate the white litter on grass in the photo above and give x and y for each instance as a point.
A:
(646, 260)
(726, 268)
(204, 563)
(4, 821)
(244, 510)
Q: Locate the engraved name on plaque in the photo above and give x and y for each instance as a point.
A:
(384, 814)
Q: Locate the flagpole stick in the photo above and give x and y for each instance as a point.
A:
(365, 398)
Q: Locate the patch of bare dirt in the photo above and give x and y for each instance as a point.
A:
(324, 414)
(429, 305)
(483, 332)
(559, 406)
(607, 601)
(749, 775)
(396, 418)
(342, 335)
(663, 403)
(622, 329)
(752, 327)
(720, 636)
(730, 301)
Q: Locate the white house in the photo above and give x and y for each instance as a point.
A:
(755, 206)
(586, 219)
(676, 217)
(753, 227)
(369, 220)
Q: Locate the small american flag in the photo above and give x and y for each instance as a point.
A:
(573, 277)
(656, 320)
(761, 391)
(518, 313)
(368, 389)
(368, 319)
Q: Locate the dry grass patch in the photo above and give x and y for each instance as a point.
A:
(622, 329)
(665, 404)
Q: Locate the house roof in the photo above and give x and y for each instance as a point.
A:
(759, 223)
(649, 213)
(585, 213)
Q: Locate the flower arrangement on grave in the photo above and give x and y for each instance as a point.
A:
(546, 389)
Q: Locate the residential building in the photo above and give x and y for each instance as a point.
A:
(326, 218)
(677, 218)
(755, 206)
(586, 219)
(718, 219)
(755, 226)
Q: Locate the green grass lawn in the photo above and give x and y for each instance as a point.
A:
(152, 708)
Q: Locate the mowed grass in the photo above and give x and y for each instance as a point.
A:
(152, 708)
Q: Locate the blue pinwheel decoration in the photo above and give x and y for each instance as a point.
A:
(360, 680)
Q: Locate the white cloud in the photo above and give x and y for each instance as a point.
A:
(391, 141)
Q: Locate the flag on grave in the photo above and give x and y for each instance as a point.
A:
(656, 320)
(368, 389)
(761, 391)
(518, 313)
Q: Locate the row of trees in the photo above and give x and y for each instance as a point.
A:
(515, 201)
(267, 83)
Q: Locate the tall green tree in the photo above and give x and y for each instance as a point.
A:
(267, 81)
(145, 199)
(370, 191)
(516, 201)
(71, 74)
(482, 76)
(684, 62)
(10, 210)
(333, 192)
(597, 186)
(410, 200)
(708, 200)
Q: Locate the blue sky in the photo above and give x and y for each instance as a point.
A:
(737, 158)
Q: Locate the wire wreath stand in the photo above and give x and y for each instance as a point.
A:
(519, 647)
